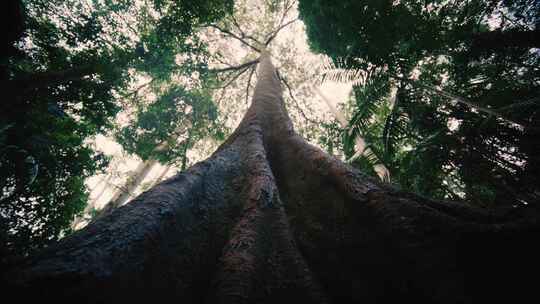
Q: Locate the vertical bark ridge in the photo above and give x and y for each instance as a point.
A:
(244, 252)
(261, 263)
(354, 233)
(288, 275)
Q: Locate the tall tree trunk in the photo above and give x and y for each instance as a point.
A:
(270, 218)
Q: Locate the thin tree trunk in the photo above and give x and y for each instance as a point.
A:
(359, 142)
(161, 175)
(123, 194)
(92, 203)
(102, 191)
(269, 218)
(184, 157)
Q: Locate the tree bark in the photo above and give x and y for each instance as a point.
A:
(270, 218)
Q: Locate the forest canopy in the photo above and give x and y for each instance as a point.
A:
(269, 151)
(462, 123)
(66, 69)
(444, 99)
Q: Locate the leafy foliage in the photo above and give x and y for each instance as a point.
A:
(467, 84)
(179, 118)
(64, 74)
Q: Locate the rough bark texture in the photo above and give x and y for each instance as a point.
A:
(270, 218)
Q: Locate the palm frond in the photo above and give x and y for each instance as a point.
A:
(343, 73)
(353, 76)
(396, 129)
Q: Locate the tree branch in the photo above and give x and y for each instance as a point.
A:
(287, 7)
(496, 40)
(295, 101)
(136, 91)
(274, 34)
(235, 68)
(457, 98)
(242, 33)
(233, 35)
(232, 79)
(238, 26)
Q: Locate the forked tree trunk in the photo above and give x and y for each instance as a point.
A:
(268, 218)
